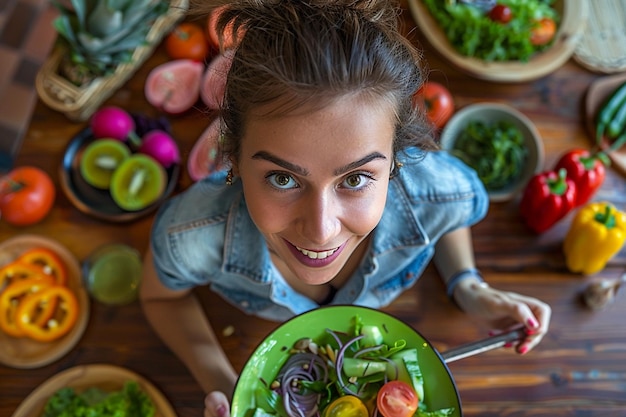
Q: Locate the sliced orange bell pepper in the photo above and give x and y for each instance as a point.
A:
(50, 262)
(61, 322)
(12, 297)
(17, 271)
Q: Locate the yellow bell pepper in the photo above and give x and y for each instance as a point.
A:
(596, 234)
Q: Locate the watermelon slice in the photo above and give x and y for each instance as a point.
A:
(214, 80)
(174, 86)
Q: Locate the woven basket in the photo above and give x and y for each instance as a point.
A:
(602, 47)
(79, 103)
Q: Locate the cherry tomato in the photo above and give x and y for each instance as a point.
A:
(49, 262)
(437, 101)
(501, 13)
(543, 32)
(26, 196)
(397, 399)
(187, 41)
(60, 322)
(14, 294)
(346, 406)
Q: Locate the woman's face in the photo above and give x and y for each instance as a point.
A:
(316, 183)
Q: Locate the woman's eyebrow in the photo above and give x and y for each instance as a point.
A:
(280, 162)
(304, 172)
(358, 163)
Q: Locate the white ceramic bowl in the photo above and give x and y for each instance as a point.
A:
(490, 113)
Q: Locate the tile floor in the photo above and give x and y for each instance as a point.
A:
(26, 39)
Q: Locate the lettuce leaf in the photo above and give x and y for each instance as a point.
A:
(130, 401)
(472, 33)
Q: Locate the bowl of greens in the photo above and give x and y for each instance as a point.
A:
(503, 40)
(337, 359)
(499, 142)
(96, 390)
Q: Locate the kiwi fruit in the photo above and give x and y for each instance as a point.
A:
(100, 159)
(138, 182)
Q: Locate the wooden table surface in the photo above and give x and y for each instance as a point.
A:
(578, 370)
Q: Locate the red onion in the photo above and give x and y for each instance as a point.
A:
(112, 122)
(161, 146)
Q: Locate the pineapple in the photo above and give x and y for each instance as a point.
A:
(102, 34)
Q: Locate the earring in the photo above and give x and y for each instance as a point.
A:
(229, 177)
(395, 167)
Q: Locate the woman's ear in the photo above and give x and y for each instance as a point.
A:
(234, 166)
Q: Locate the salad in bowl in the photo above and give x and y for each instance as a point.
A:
(337, 361)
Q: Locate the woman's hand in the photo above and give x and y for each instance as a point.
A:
(216, 404)
(504, 309)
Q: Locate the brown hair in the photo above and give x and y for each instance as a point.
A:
(292, 53)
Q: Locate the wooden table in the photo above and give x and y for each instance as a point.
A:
(578, 370)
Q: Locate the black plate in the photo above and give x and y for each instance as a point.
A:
(95, 202)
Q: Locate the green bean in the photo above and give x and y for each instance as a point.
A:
(609, 109)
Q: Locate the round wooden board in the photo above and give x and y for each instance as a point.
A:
(27, 353)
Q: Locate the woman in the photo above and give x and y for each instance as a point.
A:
(336, 193)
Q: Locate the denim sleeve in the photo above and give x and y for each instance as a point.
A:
(188, 238)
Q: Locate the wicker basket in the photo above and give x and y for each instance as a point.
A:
(79, 103)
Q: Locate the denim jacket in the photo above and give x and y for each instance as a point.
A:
(205, 236)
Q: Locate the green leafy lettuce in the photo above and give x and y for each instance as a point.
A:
(472, 33)
(130, 401)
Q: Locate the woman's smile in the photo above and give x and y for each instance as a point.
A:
(315, 259)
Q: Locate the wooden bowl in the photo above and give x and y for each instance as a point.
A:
(574, 14)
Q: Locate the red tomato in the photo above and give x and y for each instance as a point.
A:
(26, 196)
(397, 399)
(437, 101)
(187, 41)
(501, 13)
(543, 32)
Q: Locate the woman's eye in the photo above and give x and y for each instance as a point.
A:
(356, 181)
(282, 181)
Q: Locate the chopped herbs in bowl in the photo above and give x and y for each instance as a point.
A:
(500, 143)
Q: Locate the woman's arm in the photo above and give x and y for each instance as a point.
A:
(179, 320)
(454, 253)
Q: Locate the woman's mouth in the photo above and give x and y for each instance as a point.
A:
(317, 255)
(315, 259)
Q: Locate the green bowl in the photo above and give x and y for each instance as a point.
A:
(439, 388)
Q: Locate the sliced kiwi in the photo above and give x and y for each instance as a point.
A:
(138, 182)
(100, 159)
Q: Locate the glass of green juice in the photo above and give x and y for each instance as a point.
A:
(112, 274)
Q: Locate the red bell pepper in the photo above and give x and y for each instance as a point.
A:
(547, 198)
(586, 169)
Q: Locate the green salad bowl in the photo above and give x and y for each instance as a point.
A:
(262, 367)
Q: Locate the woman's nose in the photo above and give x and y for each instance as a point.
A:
(319, 217)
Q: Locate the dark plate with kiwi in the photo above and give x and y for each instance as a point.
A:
(99, 201)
